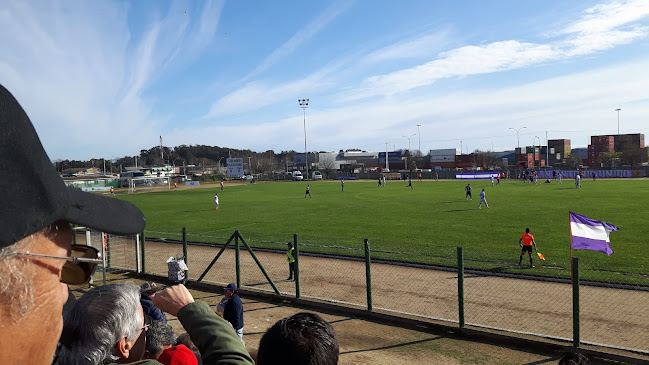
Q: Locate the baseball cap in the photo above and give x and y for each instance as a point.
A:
(34, 196)
(178, 355)
(149, 287)
(230, 286)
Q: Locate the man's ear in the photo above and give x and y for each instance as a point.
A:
(123, 347)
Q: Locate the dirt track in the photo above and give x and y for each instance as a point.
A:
(608, 316)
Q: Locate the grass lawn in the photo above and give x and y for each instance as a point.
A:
(424, 224)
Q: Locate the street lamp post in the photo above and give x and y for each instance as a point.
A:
(410, 136)
(534, 148)
(518, 140)
(419, 125)
(304, 103)
(618, 120)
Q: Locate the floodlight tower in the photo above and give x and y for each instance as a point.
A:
(304, 103)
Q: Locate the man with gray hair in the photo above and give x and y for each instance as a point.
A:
(37, 258)
(159, 337)
(107, 326)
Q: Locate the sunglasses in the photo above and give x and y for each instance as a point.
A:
(79, 267)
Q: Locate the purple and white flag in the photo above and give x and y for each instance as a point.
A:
(590, 234)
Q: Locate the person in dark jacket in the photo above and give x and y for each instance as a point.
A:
(146, 291)
(233, 311)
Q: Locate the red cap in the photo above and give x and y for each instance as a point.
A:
(178, 355)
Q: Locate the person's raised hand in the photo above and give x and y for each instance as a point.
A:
(172, 299)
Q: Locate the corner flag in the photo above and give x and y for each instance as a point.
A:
(590, 234)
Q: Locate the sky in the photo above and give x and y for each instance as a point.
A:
(105, 79)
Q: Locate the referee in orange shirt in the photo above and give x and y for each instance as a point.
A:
(526, 242)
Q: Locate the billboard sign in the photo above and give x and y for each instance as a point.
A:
(235, 167)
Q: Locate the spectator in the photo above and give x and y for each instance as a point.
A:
(233, 311)
(184, 339)
(35, 239)
(574, 358)
(178, 355)
(301, 339)
(146, 291)
(159, 337)
(107, 325)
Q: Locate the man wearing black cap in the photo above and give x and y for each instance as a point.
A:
(38, 260)
(36, 248)
(233, 311)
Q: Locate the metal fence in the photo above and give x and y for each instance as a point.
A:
(610, 315)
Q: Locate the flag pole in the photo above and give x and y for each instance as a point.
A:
(570, 233)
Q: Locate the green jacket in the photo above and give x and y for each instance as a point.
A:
(213, 335)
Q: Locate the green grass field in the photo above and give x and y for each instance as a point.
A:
(423, 225)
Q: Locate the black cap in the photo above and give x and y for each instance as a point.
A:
(34, 196)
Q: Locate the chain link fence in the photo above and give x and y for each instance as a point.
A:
(434, 286)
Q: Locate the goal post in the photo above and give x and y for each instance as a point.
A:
(149, 183)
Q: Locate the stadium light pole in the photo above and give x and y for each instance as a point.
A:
(518, 140)
(534, 148)
(419, 133)
(618, 120)
(304, 103)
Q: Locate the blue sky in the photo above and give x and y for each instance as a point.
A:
(107, 78)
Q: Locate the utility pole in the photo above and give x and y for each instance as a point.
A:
(387, 165)
(304, 103)
(419, 125)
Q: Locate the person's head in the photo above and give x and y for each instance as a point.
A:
(482, 189)
(178, 355)
(229, 290)
(159, 337)
(574, 358)
(527, 230)
(303, 339)
(148, 289)
(106, 323)
(184, 339)
(36, 239)
(289, 244)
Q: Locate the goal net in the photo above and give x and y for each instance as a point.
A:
(148, 183)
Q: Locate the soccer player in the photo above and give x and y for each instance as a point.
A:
(559, 177)
(216, 201)
(526, 242)
(482, 199)
(468, 190)
(308, 192)
(221, 185)
(436, 177)
(410, 183)
(379, 182)
(578, 181)
(342, 185)
(492, 180)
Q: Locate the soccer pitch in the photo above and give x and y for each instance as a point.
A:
(426, 223)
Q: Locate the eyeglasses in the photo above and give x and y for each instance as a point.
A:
(80, 266)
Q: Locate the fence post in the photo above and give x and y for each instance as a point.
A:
(138, 259)
(185, 252)
(236, 255)
(460, 285)
(297, 267)
(143, 253)
(107, 243)
(575, 302)
(368, 275)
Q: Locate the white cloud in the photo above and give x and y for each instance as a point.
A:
(303, 35)
(83, 77)
(595, 31)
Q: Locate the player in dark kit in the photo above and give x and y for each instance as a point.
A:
(308, 192)
(468, 189)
